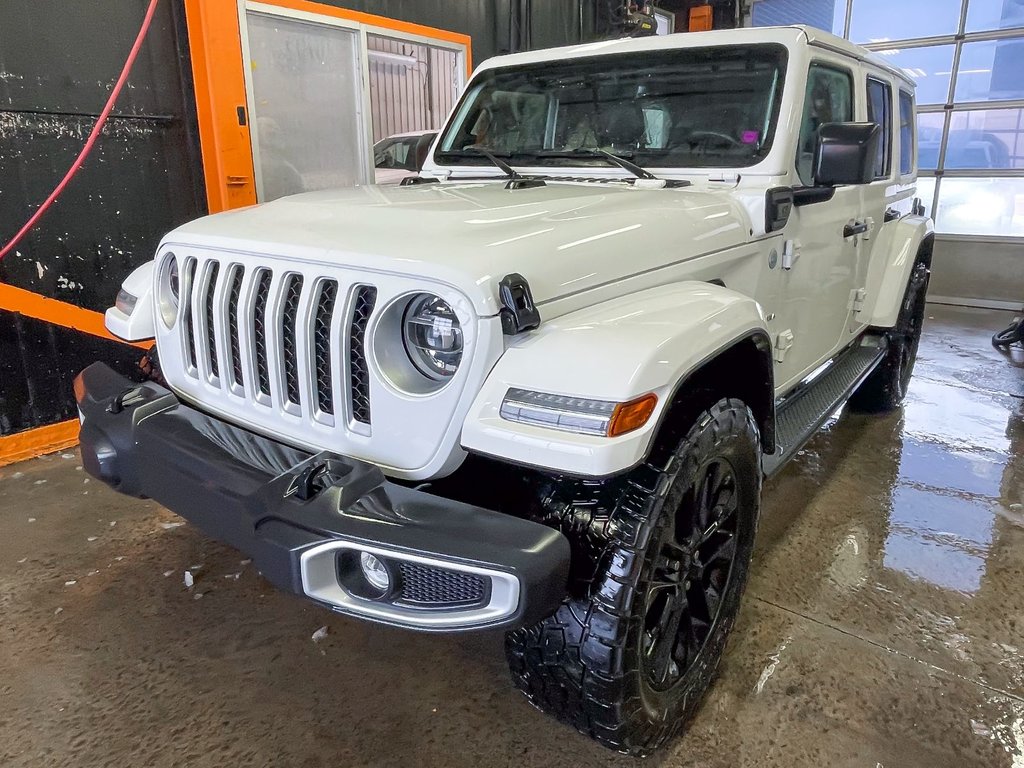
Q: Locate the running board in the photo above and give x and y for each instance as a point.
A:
(802, 413)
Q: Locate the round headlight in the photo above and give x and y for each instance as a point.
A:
(432, 336)
(169, 289)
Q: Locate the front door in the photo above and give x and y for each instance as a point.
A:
(820, 260)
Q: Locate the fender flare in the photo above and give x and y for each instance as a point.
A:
(621, 349)
(888, 278)
(138, 326)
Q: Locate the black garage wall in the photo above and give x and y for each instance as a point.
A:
(58, 60)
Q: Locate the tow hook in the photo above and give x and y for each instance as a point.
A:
(129, 398)
(353, 480)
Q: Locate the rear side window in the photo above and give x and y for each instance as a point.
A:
(907, 148)
(880, 111)
(829, 99)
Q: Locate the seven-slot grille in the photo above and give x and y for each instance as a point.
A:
(285, 326)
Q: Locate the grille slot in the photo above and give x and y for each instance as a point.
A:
(322, 345)
(259, 330)
(427, 586)
(235, 343)
(359, 375)
(211, 334)
(185, 295)
(289, 319)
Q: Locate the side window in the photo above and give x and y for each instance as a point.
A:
(880, 111)
(829, 99)
(907, 137)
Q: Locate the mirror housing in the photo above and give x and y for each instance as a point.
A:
(845, 153)
(778, 204)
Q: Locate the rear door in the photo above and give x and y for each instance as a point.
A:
(879, 198)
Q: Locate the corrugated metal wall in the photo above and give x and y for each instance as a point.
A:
(412, 86)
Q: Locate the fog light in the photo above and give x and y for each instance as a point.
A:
(374, 571)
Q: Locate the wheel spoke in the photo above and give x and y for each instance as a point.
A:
(691, 573)
(718, 548)
(698, 602)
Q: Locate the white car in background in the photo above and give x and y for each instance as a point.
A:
(400, 156)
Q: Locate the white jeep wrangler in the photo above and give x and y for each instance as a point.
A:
(538, 388)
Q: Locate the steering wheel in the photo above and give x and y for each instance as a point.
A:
(703, 137)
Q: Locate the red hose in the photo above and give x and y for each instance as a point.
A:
(93, 135)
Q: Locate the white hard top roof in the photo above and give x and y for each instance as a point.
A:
(789, 36)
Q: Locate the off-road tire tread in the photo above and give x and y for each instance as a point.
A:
(574, 664)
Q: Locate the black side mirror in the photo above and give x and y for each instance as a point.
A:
(846, 153)
(421, 150)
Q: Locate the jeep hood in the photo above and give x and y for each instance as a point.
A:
(563, 237)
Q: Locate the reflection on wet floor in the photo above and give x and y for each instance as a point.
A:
(883, 624)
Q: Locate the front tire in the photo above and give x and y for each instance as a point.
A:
(661, 561)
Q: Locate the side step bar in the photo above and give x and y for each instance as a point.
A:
(803, 412)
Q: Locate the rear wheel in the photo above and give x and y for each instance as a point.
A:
(887, 385)
(661, 561)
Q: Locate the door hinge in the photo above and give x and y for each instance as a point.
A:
(782, 344)
(790, 253)
(857, 298)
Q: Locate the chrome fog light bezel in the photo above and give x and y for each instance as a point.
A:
(322, 581)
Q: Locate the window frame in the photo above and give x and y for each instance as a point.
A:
(886, 124)
(838, 68)
(902, 93)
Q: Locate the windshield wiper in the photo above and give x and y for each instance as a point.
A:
(637, 170)
(516, 180)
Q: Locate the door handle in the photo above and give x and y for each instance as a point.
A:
(855, 228)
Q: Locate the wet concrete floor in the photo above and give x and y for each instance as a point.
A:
(883, 625)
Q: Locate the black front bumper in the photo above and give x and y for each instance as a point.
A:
(295, 513)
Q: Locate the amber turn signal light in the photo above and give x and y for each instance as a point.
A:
(632, 415)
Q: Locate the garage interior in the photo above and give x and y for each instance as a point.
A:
(883, 623)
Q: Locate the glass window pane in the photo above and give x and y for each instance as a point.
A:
(906, 132)
(829, 99)
(413, 86)
(981, 207)
(929, 139)
(829, 15)
(880, 112)
(991, 70)
(874, 21)
(926, 192)
(306, 112)
(931, 68)
(986, 138)
(984, 15)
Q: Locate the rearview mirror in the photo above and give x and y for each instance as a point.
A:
(845, 153)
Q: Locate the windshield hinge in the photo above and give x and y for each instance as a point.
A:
(728, 177)
(518, 312)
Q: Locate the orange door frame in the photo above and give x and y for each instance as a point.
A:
(215, 42)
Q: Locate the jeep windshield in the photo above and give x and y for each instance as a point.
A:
(678, 108)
